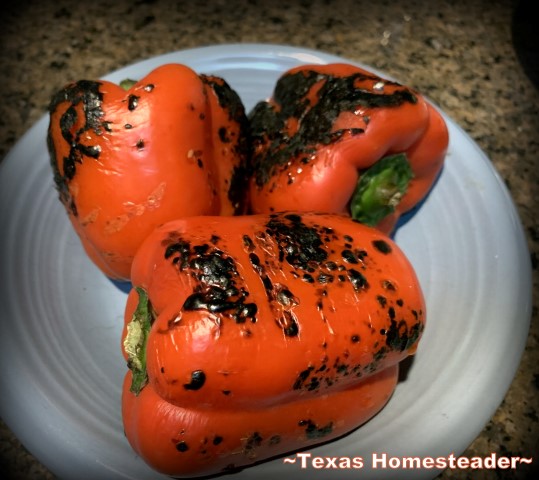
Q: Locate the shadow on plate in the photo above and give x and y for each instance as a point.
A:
(125, 287)
(404, 367)
(407, 216)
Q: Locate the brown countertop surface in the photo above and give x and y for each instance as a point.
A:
(466, 56)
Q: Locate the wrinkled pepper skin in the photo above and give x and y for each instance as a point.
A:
(124, 161)
(326, 126)
(248, 337)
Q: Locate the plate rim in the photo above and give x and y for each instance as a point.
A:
(254, 49)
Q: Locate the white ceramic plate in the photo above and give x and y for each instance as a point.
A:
(61, 368)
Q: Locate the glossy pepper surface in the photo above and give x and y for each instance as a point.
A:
(128, 158)
(338, 138)
(252, 336)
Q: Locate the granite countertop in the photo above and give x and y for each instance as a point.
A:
(475, 59)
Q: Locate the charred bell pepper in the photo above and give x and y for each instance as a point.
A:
(252, 336)
(338, 138)
(129, 157)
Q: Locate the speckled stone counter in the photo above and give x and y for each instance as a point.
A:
(476, 59)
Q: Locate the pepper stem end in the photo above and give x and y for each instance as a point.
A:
(380, 189)
(127, 83)
(135, 341)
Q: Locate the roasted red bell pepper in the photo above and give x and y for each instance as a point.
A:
(252, 336)
(338, 138)
(174, 144)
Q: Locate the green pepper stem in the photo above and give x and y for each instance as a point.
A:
(135, 341)
(127, 83)
(380, 188)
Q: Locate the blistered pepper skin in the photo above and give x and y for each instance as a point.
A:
(255, 320)
(124, 162)
(326, 125)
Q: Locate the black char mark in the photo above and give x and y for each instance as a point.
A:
(87, 93)
(313, 431)
(251, 443)
(400, 337)
(132, 102)
(316, 378)
(217, 288)
(198, 378)
(382, 246)
(336, 95)
(305, 249)
(299, 245)
(230, 101)
(280, 298)
(182, 447)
